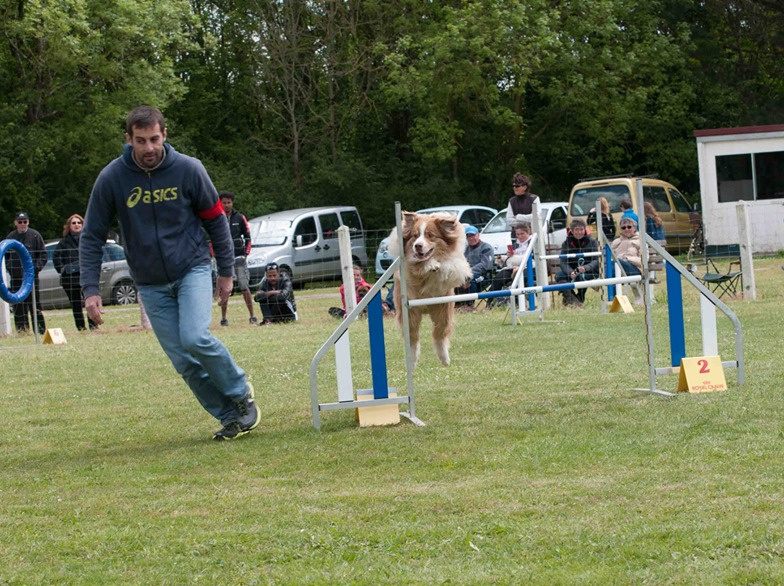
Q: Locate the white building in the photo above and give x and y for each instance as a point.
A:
(743, 164)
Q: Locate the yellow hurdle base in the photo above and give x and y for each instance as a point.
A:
(381, 415)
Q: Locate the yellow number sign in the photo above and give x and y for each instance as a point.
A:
(702, 375)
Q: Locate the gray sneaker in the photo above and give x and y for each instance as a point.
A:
(248, 413)
(248, 418)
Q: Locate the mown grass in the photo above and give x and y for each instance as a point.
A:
(538, 464)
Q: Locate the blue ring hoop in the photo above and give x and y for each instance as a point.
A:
(27, 269)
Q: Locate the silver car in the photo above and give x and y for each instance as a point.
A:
(116, 285)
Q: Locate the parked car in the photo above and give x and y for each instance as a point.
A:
(304, 243)
(672, 207)
(477, 216)
(499, 234)
(116, 284)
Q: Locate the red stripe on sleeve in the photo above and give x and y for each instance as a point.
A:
(212, 212)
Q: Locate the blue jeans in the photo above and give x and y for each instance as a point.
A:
(628, 268)
(180, 313)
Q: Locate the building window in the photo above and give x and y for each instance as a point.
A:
(769, 168)
(751, 177)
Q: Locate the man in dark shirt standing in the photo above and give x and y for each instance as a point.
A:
(240, 237)
(165, 201)
(34, 243)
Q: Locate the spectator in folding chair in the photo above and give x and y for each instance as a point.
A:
(627, 249)
(481, 258)
(577, 268)
(628, 212)
(504, 277)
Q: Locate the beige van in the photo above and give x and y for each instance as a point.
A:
(672, 207)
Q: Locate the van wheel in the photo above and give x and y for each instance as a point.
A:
(124, 293)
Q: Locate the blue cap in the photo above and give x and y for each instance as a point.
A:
(471, 230)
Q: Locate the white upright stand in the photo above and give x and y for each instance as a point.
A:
(342, 346)
(5, 312)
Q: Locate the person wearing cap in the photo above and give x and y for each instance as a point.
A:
(520, 208)
(167, 207)
(240, 237)
(34, 243)
(481, 257)
(276, 297)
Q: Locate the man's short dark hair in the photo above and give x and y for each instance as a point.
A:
(578, 223)
(626, 204)
(226, 195)
(144, 117)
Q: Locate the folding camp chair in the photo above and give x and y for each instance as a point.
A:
(723, 282)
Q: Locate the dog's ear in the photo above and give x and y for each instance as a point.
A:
(408, 221)
(450, 229)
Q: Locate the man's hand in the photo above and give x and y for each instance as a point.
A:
(94, 307)
(224, 285)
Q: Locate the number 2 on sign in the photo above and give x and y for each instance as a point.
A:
(703, 366)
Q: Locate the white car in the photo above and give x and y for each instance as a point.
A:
(499, 234)
(477, 216)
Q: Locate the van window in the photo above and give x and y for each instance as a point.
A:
(307, 229)
(329, 225)
(681, 205)
(351, 220)
(585, 199)
(657, 196)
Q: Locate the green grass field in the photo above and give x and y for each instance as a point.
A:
(538, 464)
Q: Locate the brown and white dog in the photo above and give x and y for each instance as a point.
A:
(434, 253)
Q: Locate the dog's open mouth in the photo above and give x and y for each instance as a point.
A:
(422, 255)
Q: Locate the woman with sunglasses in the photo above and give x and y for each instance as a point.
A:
(627, 249)
(66, 262)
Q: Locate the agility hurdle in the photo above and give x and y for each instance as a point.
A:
(380, 391)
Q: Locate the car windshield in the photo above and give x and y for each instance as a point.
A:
(584, 199)
(269, 232)
(497, 224)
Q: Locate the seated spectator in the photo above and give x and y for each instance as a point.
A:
(578, 268)
(504, 277)
(608, 224)
(627, 249)
(480, 257)
(628, 212)
(276, 297)
(361, 287)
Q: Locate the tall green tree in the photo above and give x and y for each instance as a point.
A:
(69, 72)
